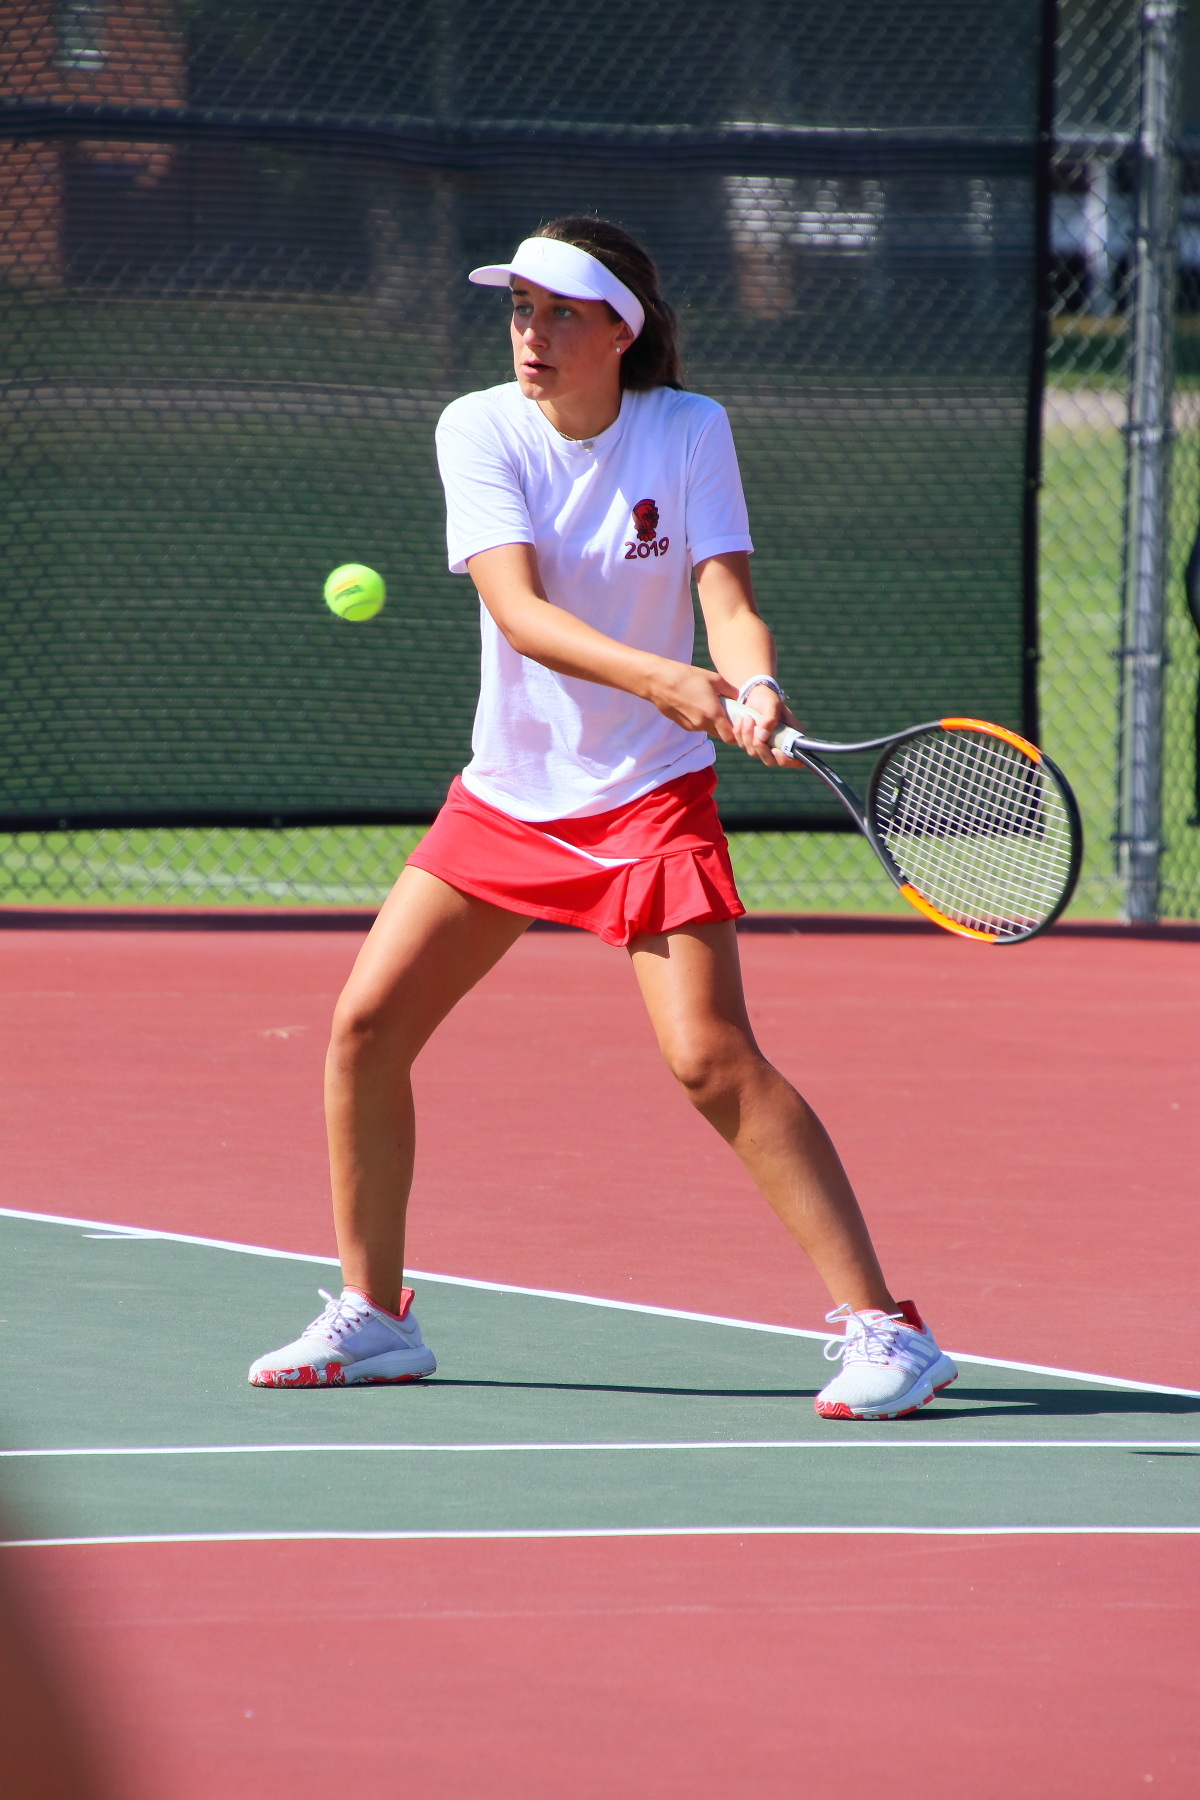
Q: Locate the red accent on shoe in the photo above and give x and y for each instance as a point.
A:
(839, 1410)
(910, 1314)
(306, 1376)
(406, 1299)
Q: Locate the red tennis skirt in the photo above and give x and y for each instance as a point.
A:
(648, 866)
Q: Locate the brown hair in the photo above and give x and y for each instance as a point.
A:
(652, 360)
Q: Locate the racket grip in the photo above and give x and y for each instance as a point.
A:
(784, 738)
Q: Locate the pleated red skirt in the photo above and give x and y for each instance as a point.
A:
(649, 866)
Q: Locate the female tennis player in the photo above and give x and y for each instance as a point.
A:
(580, 499)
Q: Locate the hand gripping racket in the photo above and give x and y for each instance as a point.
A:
(975, 826)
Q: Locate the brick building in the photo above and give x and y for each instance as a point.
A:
(81, 52)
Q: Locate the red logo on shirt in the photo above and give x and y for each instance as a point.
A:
(645, 520)
(645, 524)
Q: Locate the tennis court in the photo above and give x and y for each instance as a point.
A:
(610, 1542)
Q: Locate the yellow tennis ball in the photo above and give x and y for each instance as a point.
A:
(355, 592)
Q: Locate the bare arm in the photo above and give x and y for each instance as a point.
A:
(510, 587)
(741, 646)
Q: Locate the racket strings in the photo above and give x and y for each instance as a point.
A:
(978, 829)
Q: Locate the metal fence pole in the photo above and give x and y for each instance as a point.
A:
(1147, 467)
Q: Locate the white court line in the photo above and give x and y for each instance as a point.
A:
(1185, 1444)
(108, 1229)
(613, 1531)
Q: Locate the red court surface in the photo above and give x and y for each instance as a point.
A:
(939, 1669)
(1021, 1124)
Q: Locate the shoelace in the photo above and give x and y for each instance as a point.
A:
(866, 1339)
(342, 1315)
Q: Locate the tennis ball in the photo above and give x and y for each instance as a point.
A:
(355, 592)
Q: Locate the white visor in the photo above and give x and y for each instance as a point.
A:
(564, 269)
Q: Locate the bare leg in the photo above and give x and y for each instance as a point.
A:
(692, 984)
(428, 947)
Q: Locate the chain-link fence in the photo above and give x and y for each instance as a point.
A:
(232, 239)
(1085, 519)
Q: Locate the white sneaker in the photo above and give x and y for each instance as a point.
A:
(353, 1341)
(890, 1365)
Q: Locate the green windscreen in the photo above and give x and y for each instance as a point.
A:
(233, 247)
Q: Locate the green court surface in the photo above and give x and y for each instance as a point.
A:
(127, 1414)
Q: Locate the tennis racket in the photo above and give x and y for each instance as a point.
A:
(975, 826)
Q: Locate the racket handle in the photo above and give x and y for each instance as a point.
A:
(784, 738)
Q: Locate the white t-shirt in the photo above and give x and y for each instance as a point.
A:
(617, 524)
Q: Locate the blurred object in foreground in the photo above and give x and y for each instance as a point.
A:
(45, 1753)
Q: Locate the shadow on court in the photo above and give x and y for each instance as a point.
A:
(1049, 1403)
(1016, 1402)
(620, 1387)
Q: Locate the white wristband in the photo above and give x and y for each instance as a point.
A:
(767, 681)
